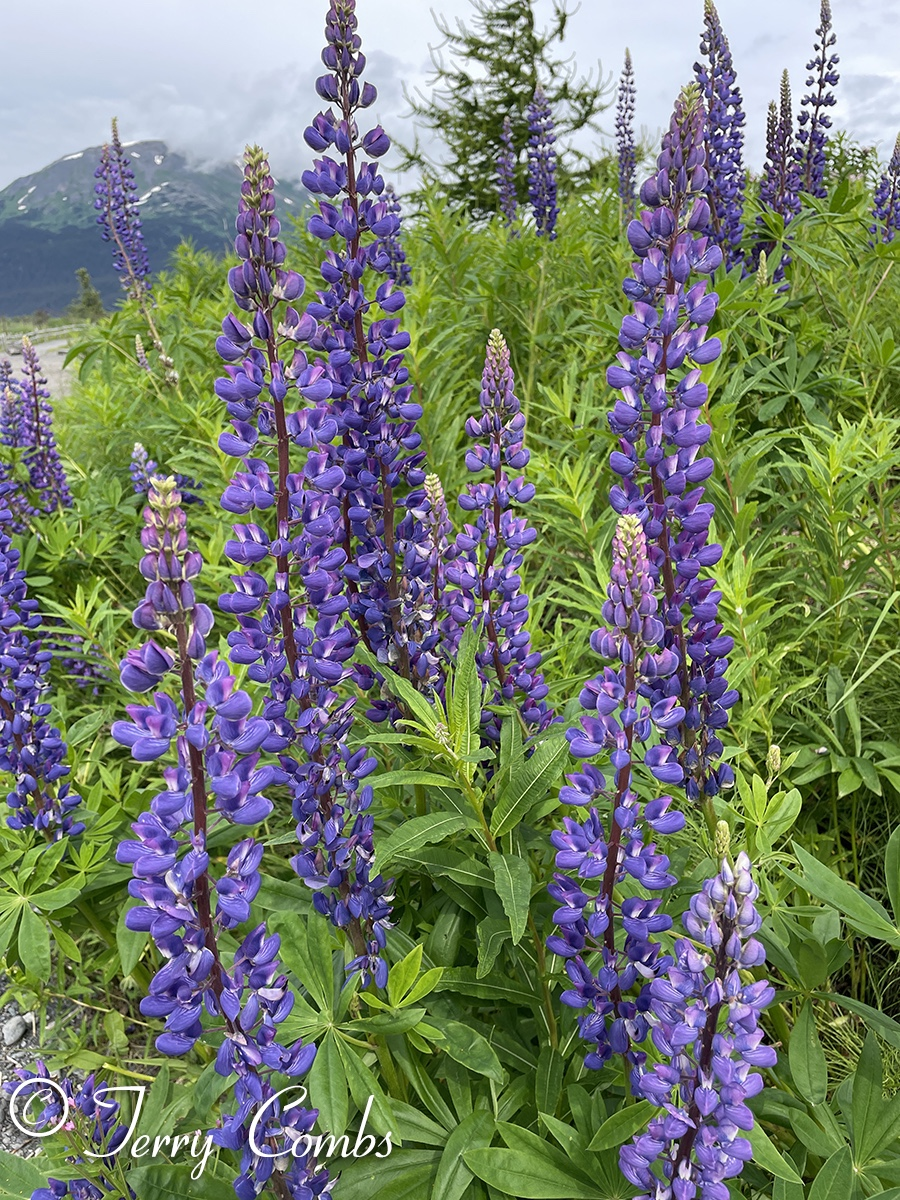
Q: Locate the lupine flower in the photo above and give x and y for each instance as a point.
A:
(592, 861)
(15, 499)
(705, 1024)
(216, 779)
(484, 564)
(780, 185)
(626, 154)
(48, 486)
(506, 175)
(91, 1122)
(142, 470)
(886, 206)
(658, 420)
(724, 137)
(119, 219)
(542, 165)
(399, 269)
(32, 750)
(298, 523)
(814, 121)
(378, 450)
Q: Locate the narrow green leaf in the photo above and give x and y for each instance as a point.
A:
(490, 934)
(416, 832)
(363, 1086)
(469, 1048)
(512, 879)
(328, 1087)
(166, 1181)
(34, 944)
(887, 1027)
(892, 871)
(421, 778)
(414, 701)
(835, 1180)
(868, 1096)
(20, 1177)
(528, 1175)
(473, 1133)
(407, 1175)
(464, 712)
(403, 974)
(767, 1156)
(621, 1126)
(529, 784)
(548, 1080)
(807, 1058)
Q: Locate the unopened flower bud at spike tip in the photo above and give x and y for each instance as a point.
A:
(722, 840)
(773, 760)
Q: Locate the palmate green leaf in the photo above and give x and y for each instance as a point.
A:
(807, 1058)
(512, 879)
(402, 974)
(767, 1156)
(860, 911)
(529, 784)
(419, 831)
(473, 1133)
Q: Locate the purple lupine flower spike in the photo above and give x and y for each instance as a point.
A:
(705, 1023)
(592, 860)
(15, 500)
(542, 165)
(814, 121)
(886, 206)
(216, 780)
(277, 410)
(357, 328)
(626, 154)
(659, 422)
(506, 175)
(724, 137)
(32, 751)
(398, 269)
(46, 475)
(780, 185)
(489, 552)
(119, 219)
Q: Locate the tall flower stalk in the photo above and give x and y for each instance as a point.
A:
(779, 188)
(705, 1021)
(625, 150)
(886, 203)
(357, 331)
(814, 121)
(506, 176)
(484, 564)
(117, 202)
(724, 137)
(183, 901)
(666, 699)
(542, 165)
(48, 486)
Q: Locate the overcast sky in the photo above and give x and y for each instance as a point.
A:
(208, 76)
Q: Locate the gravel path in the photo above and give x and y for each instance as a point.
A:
(18, 1048)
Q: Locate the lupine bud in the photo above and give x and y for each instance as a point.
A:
(773, 761)
(625, 151)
